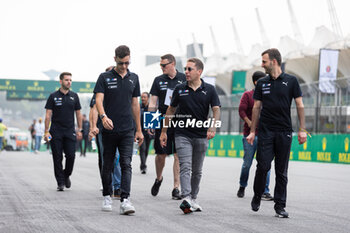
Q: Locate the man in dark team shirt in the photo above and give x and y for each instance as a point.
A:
(147, 137)
(60, 108)
(117, 103)
(273, 97)
(245, 112)
(193, 99)
(161, 91)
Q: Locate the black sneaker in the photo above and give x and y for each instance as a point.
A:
(267, 197)
(117, 193)
(176, 194)
(281, 213)
(67, 183)
(186, 206)
(143, 171)
(240, 192)
(156, 186)
(60, 188)
(255, 203)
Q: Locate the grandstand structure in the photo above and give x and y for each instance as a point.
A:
(325, 112)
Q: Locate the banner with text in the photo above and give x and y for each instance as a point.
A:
(328, 67)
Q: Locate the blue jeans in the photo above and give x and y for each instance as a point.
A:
(37, 142)
(116, 172)
(249, 151)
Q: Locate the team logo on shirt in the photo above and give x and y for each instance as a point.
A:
(266, 84)
(204, 92)
(151, 120)
(72, 98)
(285, 83)
(183, 92)
(132, 81)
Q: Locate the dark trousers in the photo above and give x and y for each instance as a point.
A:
(63, 141)
(124, 142)
(273, 145)
(99, 145)
(144, 151)
(86, 144)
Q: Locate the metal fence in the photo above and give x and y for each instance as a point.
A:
(324, 112)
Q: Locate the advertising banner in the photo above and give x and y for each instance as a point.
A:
(328, 67)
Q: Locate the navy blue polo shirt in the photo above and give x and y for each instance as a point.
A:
(92, 103)
(276, 96)
(118, 93)
(160, 86)
(63, 107)
(193, 105)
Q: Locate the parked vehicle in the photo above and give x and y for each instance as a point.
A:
(15, 140)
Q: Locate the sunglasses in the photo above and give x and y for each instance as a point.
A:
(123, 63)
(189, 69)
(164, 65)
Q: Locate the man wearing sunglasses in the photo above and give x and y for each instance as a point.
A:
(161, 91)
(192, 99)
(117, 93)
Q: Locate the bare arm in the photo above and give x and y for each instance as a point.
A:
(107, 123)
(255, 117)
(135, 107)
(152, 107)
(47, 124)
(168, 116)
(80, 124)
(302, 136)
(79, 119)
(93, 116)
(216, 115)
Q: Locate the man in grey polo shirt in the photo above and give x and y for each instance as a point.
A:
(193, 129)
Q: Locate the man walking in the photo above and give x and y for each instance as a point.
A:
(147, 137)
(39, 128)
(117, 103)
(245, 112)
(60, 108)
(161, 91)
(273, 97)
(193, 98)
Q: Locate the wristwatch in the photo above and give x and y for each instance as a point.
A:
(102, 116)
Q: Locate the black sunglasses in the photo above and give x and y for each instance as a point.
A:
(123, 63)
(189, 69)
(164, 65)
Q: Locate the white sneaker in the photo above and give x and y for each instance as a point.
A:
(195, 206)
(126, 207)
(107, 203)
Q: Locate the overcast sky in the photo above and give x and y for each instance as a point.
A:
(80, 35)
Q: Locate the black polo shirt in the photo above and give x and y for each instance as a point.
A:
(92, 103)
(63, 107)
(118, 93)
(194, 105)
(276, 96)
(160, 86)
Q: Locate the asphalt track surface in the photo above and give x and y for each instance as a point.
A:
(318, 199)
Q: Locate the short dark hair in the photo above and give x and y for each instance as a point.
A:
(274, 54)
(146, 93)
(197, 63)
(63, 74)
(169, 57)
(122, 51)
(257, 75)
